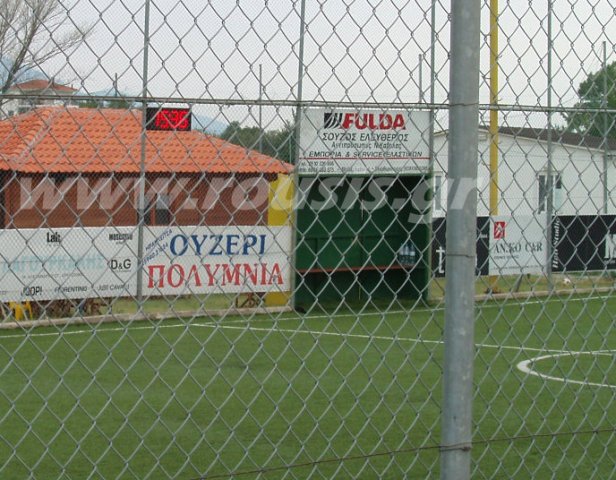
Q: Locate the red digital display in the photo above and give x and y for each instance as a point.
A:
(177, 119)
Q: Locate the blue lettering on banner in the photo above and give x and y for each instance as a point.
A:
(216, 250)
(229, 244)
(53, 264)
(183, 248)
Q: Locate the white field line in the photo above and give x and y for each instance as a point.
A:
(403, 312)
(524, 366)
(91, 331)
(321, 333)
(245, 326)
(527, 367)
(314, 333)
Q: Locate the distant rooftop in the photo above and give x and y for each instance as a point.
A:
(558, 136)
(41, 86)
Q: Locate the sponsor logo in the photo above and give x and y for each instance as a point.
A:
(121, 265)
(364, 121)
(32, 291)
(120, 237)
(71, 289)
(440, 251)
(555, 243)
(610, 247)
(54, 237)
(499, 230)
(332, 120)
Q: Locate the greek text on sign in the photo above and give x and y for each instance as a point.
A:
(363, 142)
(48, 264)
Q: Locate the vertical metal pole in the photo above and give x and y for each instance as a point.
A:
(421, 91)
(298, 127)
(430, 218)
(461, 240)
(300, 76)
(605, 131)
(494, 111)
(550, 174)
(260, 108)
(494, 54)
(141, 205)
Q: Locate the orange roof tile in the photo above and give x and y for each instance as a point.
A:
(84, 140)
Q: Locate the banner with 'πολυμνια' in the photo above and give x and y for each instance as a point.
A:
(48, 264)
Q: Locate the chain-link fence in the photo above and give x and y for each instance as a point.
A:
(223, 250)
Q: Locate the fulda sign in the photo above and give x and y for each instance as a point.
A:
(363, 142)
(370, 121)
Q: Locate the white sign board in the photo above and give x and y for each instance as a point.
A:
(48, 264)
(517, 245)
(363, 142)
(221, 259)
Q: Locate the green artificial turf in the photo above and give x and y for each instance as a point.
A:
(317, 395)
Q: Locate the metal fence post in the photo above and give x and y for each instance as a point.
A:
(550, 162)
(142, 159)
(461, 240)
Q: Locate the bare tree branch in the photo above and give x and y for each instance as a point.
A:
(31, 33)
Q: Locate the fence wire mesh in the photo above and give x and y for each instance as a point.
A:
(223, 247)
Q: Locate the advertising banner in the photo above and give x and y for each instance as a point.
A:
(218, 259)
(363, 142)
(517, 245)
(584, 242)
(609, 249)
(49, 264)
(439, 247)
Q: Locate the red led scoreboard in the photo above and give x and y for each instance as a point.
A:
(178, 119)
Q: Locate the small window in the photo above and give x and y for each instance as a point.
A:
(58, 178)
(543, 191)
(158, 211)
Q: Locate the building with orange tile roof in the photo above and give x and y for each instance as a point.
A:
(66, 166)
(28, 95)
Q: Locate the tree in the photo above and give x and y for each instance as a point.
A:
(33, 32)
(592, 93)
(120, 103)
(275, 143)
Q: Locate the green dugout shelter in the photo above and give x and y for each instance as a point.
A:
(362, 237)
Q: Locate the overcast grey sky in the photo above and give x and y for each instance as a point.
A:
(355, 50)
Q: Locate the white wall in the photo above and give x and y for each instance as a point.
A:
(521, 161)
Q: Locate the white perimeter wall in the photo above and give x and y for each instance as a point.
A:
(521, 161)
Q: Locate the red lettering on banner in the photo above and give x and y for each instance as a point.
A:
(211, 276)
(176, 275)
(251, 274)
(161, 279)
(384, 121)
(231, 274)
(194, 272)
(349, 119)
(181, 275)
(276, 275)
